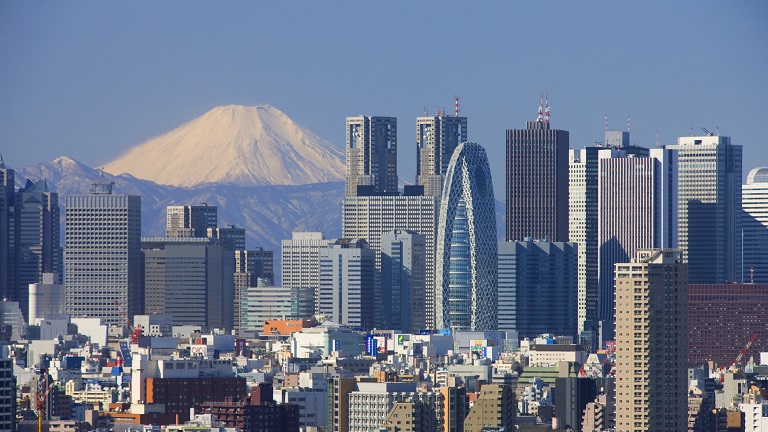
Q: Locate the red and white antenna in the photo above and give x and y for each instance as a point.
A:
(456, 106)
(606, 122)
(540, 118)
(627, 123)
(546, 110)
(657, 138)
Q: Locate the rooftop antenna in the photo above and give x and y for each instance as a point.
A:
(426, 113)
(691, 130)
(657, 138)
(627, 123)
(456, 106)
(606, 122)
(540, 118)
(717, 130)
(546, 110)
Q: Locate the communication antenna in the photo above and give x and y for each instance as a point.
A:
(546, 110)
(540, 118)
(606, 122)
(456, 106)
(657, 138)
(426, 113)
(627, 123)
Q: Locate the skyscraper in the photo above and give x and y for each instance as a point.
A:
(347, 278)
(537, 181)
(709, 207)
(636, 209)
(190, 221)
(436, 138)
(368, 217)
(37, 236)
(102, 258)
(231, 237)
(754, 204)
(403, 279)
(466, 244)
(371, 155)
(7, 232)
(190, 278)
(301, 270)
(582, 229)
(250, 266)
(651, 342)
(538, 288)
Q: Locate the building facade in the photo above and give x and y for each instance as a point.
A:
(538, 288)
(537, 182)
(264, 303)
(721, 320)
(754, 205)
(190, 278)
(436, 139)
(636, 209)
(102, 258)
(466, 270)
(709, 207)
(7, 232)
(651, 348)
(47, 298)
(301, 270)
(371, 155)
(369, 217)
(403, 279)
(190, 221)
(347, 280)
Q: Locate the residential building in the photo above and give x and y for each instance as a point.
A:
(722, 318)
(651, 348)
(466, 270)
(637, 209)
(537, 287)
(403, 279)
(436, 138)
(102, 257)
(537, 181)
(709, 207)
(754, 205)
(301, 270)
(347, 279)
(495, 407)
(378, 405)
(190, 278)
(190, 221)
(371, 155)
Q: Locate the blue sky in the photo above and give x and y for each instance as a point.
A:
(91, 79)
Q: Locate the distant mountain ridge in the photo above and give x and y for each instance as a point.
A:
(241, 145)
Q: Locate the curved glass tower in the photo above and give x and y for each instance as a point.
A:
(466, 296)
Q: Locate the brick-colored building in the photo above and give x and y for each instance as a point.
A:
(180, 394)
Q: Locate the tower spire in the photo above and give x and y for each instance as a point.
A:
(540, 118)
(546, 110)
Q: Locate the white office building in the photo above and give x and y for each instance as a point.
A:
(301, 270)
(754, 204)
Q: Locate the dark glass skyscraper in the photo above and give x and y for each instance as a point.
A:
(537, 182)
(436, 139)
(371, 156)
(466, 244)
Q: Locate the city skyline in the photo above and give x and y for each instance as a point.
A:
(116, 99)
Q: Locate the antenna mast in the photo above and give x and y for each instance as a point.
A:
(546, 110)
(540, 118)
(456, 106)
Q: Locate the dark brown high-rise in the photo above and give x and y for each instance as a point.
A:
(537, 182)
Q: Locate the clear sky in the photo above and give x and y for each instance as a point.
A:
(91, 79)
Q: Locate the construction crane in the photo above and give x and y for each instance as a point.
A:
(42, 395)
(744, 351)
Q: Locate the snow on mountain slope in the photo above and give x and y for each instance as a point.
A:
(246, 146)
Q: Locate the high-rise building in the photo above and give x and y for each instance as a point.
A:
(436, 138)
(47, 299)
(651, 348)
(465, 286)
(371, 155)
(537, 288)
(7, 392)
(301, 270)
(582, 229)
(190, 278)
(537, 181)
(709, 207)
(495, 407)
(721, 320)
(102, 258)
(190, 221)
(250, 266)
(37, 237)
(368, 217)
(636, 209)
(264, 303)
(231, 237)
(403, 279)
(754, 205)
(7, 232)
(347, 279)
